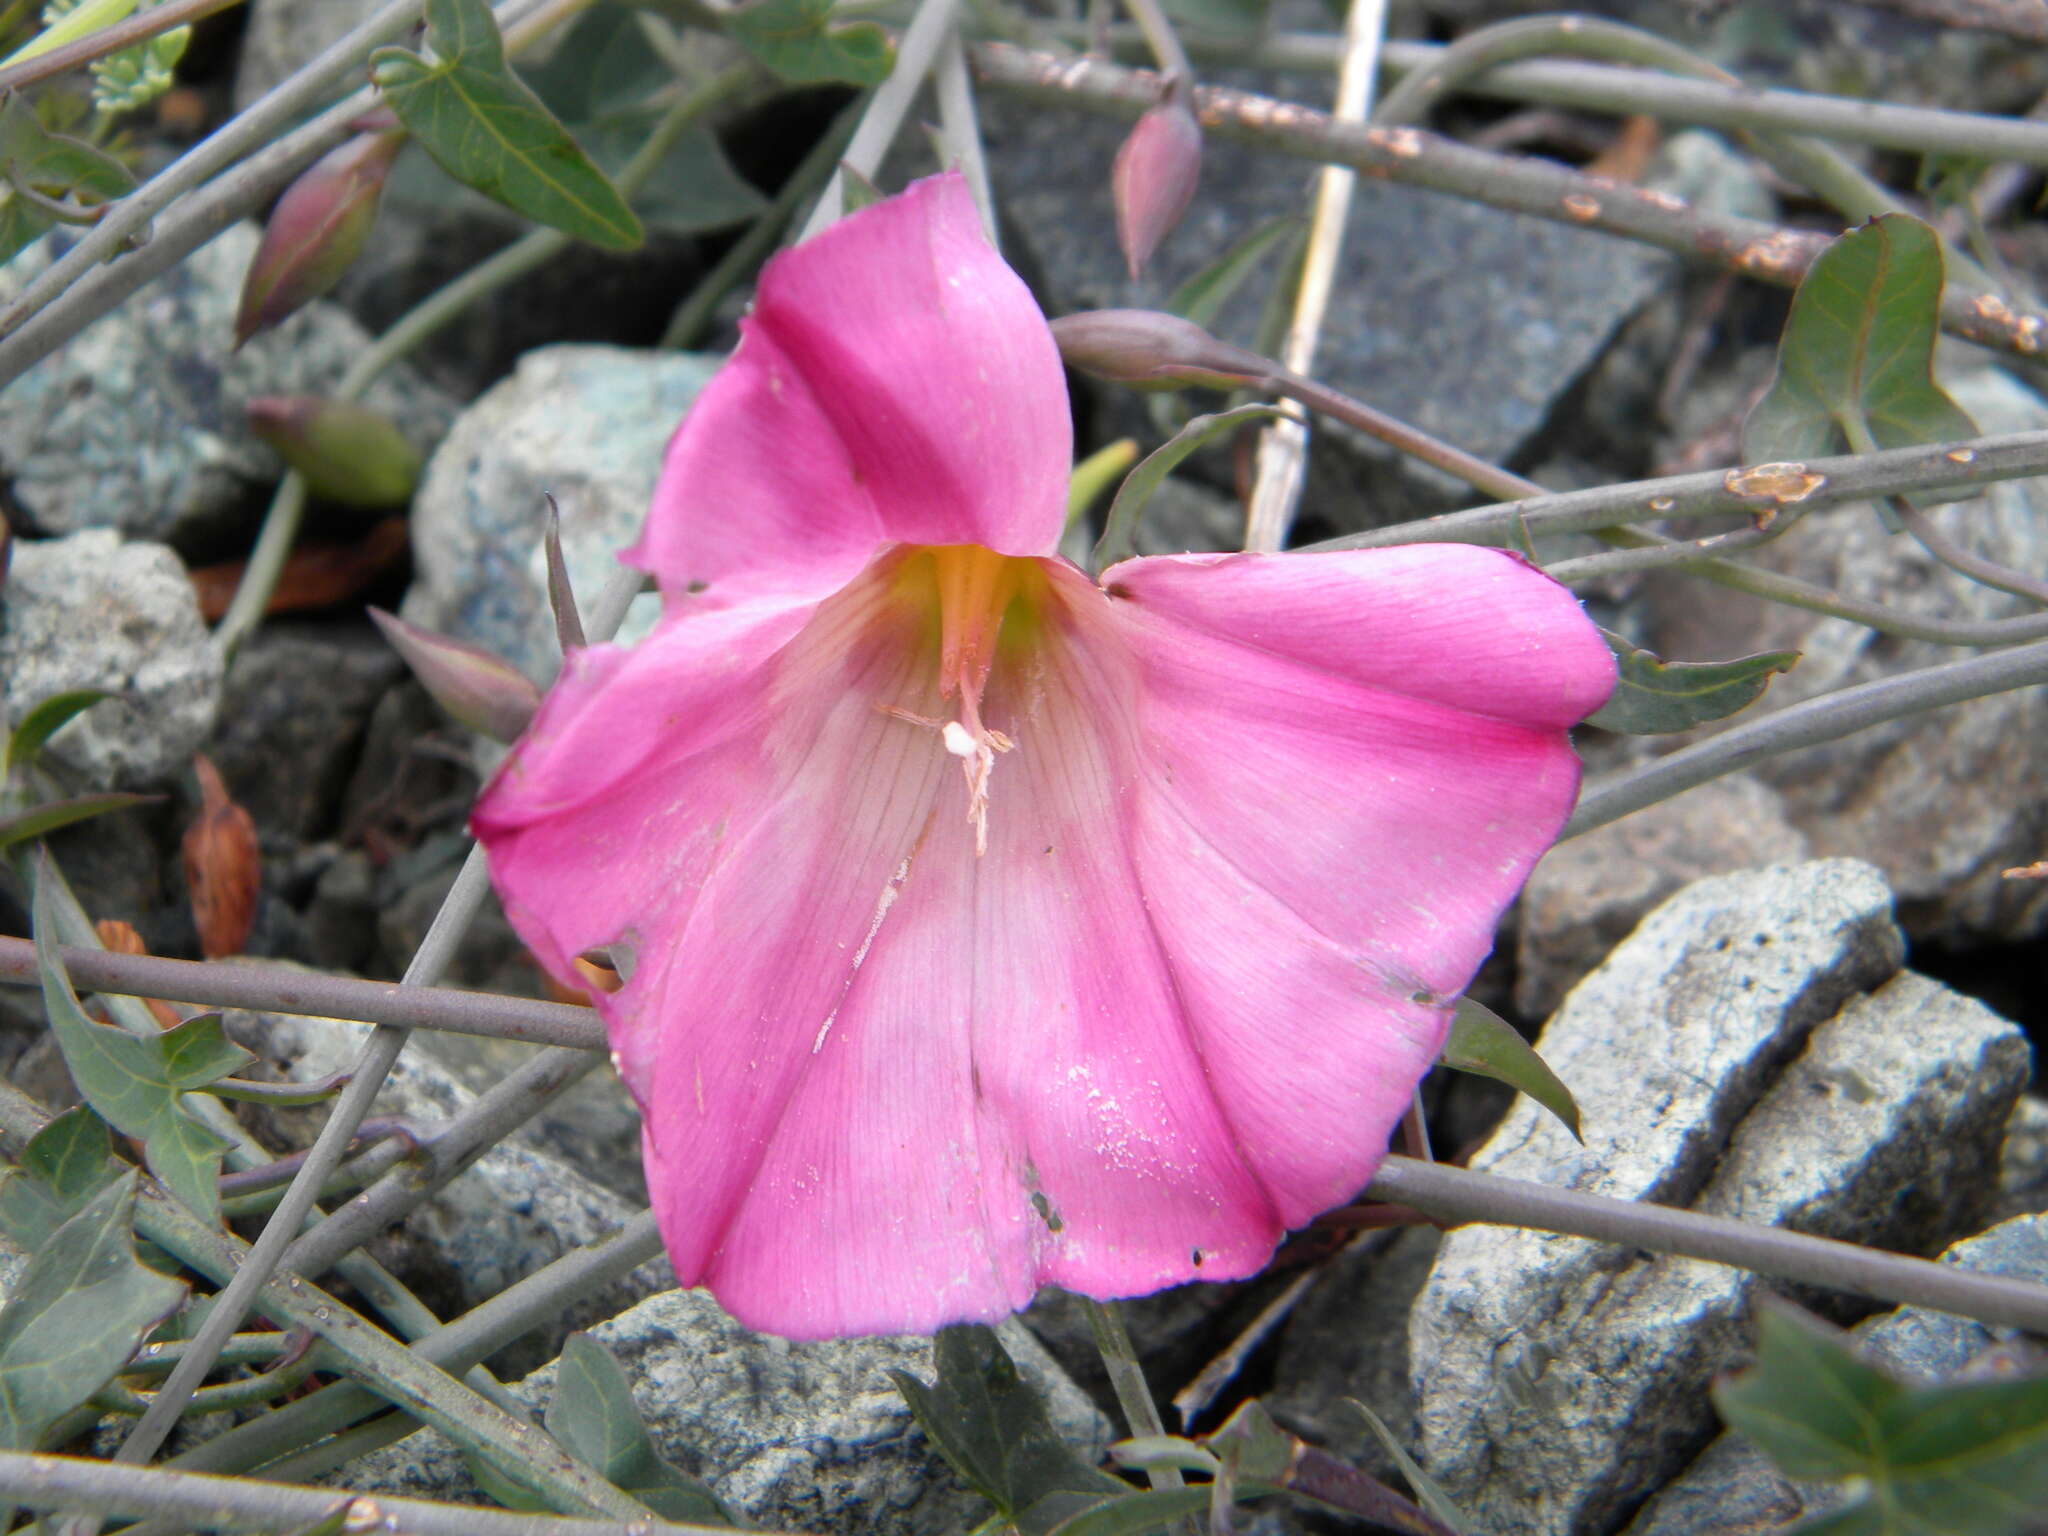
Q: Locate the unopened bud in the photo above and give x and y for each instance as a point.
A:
(1150, 349)
(1154, 178)
(316, 231)
(346, 452)
(482, 691)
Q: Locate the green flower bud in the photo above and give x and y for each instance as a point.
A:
(346, 452)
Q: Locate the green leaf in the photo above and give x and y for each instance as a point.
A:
(1964, 1459)
(988, 1423)
(1202, 297)
(1653, 696)
(52, 164)
(1855, 364)
(487, 129)
(1120, 528)
(594, 1416)
(1487, 1045)
(1136, 1512)
(600, 83)
(80, 1312)
(64, 1165)
(797, 40)
(135, 1081)
(40, 820)
(1427, 1494)
(44, 721)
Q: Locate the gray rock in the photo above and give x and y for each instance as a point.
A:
(585, 423)
(138, 422)
(1587, 894)
(92, 612)
(1941, 801)
(2023, 1165)
(1461, 319)
(809, 1437)
(1733, 1489)
(1533, 1353)
(297, 701)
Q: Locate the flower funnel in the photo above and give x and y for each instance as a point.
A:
(984, 927)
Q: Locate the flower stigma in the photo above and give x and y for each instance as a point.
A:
(989, 608)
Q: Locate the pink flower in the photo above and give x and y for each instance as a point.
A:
(985, 927)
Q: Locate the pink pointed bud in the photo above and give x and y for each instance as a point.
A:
(316, 231)
(346, 452)
(1151, 349)
(482, 691)
(1154, 177)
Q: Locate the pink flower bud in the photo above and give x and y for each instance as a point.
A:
(1153, 350)
(316, 231)
(1154, 178)
(482, 691)
(347, 453)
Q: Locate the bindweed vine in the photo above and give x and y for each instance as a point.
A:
(864, 772)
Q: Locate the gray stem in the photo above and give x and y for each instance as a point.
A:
(1461, 1194)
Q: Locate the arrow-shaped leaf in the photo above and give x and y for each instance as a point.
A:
(796, 39)
(1483, 1042)
(1653, 696)
(986, 1420)
(82, 1308)
(51, 164)
(1962, 1459)
(135, 1081)
(488, 130)
(1856, 361)
(593, 1414)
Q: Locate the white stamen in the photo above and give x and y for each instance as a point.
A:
(960, 741)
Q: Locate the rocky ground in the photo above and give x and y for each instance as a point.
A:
(1801, 995)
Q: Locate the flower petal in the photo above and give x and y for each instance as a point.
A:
(1177, 1006)
(895, 381)
(1352, 763)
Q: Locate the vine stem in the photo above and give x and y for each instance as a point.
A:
(166, 16)
(1463, 1194)
(1828, 718)
(108, 1490)
(1127, 1380)
(379, 1054)
(224, 984)
(280, 527)
(1632, 92)
(224, 178)
(1766, 252)
(391, 1369)
(1718, 492)
(524, 1305)
(247, 131)
(886, 109)
(1282, 461)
